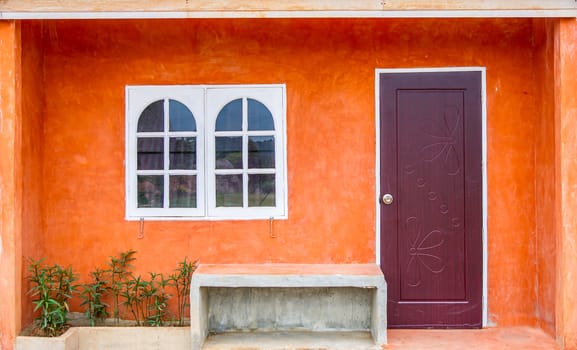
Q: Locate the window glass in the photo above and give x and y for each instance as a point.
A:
(260, 152)
(259, 117)
(228, 153)
(182, 191)
(261, 190)
(181, 118)
(230, 117)
(183, 153)
(150, 153)
(152, 118)
(229, 191)
(150, 191)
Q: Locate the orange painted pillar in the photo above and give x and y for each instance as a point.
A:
(566, 164)
(10, 184)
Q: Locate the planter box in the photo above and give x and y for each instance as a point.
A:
(112, 338)
(67, 341)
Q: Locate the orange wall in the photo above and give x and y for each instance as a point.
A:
(10, 183)
(566, 119)
(32, 137)
(545, 176)
(328, 67)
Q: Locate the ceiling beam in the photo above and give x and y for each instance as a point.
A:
(27, 9)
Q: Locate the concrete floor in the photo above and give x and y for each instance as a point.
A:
(290, 341)
(517, 338)
(485, 339)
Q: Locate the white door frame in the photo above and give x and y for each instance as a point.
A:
(484, 160)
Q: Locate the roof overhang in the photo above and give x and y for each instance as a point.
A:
(94, 9)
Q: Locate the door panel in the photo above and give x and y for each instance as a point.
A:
(431, 162)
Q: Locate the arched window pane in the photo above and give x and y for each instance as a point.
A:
(181, 118)
(259, 117)
(152, 118)
(230, 117)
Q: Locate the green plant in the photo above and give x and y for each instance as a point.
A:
(92, 297)
(146, 300)
(119, 275)
(157, 300)
(181, 281)
(51, 288)
(133, 294)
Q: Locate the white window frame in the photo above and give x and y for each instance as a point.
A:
(217, 98)
(205, 102)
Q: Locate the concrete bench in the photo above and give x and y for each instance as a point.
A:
(288, 297)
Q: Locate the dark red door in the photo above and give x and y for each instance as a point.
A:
(431, 165)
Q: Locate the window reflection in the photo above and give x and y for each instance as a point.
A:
(182, 191)
(261, 190)
(260, 152)
(181, 118)
(228, 152)
(259, 117)
(229, 191)
(150, 191)
(230, 117)
(183, 153)
(152, 118)
(150, 153)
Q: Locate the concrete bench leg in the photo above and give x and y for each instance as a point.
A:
(379, 315)
(198, 315)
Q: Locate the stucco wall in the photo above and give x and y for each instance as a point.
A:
(328, 67)
(10, 183)
(545, 170)
(32, 150)
(566, 120)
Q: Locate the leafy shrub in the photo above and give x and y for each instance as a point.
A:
(93, 295)
(119, 270)
(146, 300)
(181, 281)
(51, 288)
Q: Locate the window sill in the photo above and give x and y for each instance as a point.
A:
(205, 218)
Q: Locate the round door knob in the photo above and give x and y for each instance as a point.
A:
(388, 199)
